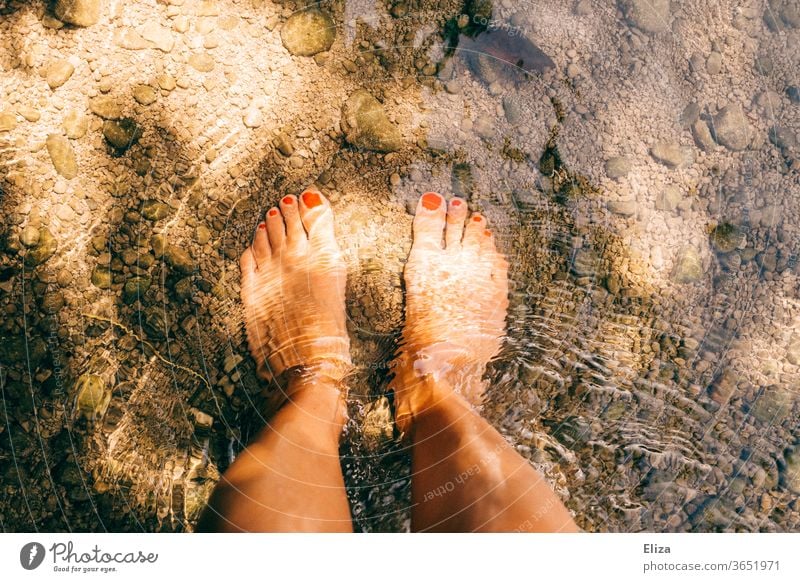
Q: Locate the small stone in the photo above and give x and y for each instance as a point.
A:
(284, 144)
(92, 396)
(51, 22)
(772, 405)
(793, 93)
(714, 63)
(179, 259)
(155, 210)
(672, 155)
(202, 62)
(207, 8)
(723, 387)
(58, 72)
(618, 167)
(585, 263)
(75, 124)
(101, 277)
(202, 234)
(29, 236)
(8, 121)
(44, 249)
(180, 24)
(688, 266)
(308, 32)
(783, 138)
(159, 35)
(158, 242)
(732, 129)
(513, 110)
(106, 107)
(726, 237)
(144, 94)
(366, 125)
(453, 86)
(62, 155)
(122, 134)
(77, 12)
(769, 102)
(201, 419)
(135, 288)
(793, 350)
(377, 426)
(29, 113)
(231, 361)
(791, 471)
(130, 40)
(690, 114)
(622, 207)
(702, 136)
(651, 16)
(167, 82)
(183, 288)
(252, 117)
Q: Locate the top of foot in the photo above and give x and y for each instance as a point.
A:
(293, 290)
(456, 295)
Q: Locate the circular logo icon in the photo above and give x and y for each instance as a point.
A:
(31, 555)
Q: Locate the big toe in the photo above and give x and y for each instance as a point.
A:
(317, 217)
(429, 222)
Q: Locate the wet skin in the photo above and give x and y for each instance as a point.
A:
(465, 476)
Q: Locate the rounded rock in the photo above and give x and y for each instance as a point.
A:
(308, 32)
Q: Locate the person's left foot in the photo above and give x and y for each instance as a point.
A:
(293, 290)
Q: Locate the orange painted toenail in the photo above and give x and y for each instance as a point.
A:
(476, 218)
(456, 202)
(262, 226)
(431, 201)
(273, 212)
(487, 233)
(287, 200)
(311, 199)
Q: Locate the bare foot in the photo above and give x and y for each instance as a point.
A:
(293, 290)
(456, 302)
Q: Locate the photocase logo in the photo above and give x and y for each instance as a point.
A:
(31, 555)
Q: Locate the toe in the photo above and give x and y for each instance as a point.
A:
(247, 264)
(429, 221)
(487, 243)
(295, 233)
(456, 213)
(500, 271)
(276, 230)
(261, 248)
(473, 232)
(317, 217)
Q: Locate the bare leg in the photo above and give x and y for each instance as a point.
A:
(465, 477)
(293, 278)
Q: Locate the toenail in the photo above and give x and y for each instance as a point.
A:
(273, 212)
(476, 218)
(431, 201)
(487, 233)
(287, 200)
(262, 226)
(455, 202)
(311, 199)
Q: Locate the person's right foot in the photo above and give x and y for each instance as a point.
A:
(456, 302)
(293, 285)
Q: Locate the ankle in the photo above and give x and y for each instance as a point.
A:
(419, 396)
(320, 396)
